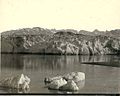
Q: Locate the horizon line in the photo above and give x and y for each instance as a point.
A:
(60, 29)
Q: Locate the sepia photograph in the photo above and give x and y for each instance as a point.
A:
(60, 47)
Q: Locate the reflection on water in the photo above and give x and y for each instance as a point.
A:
(104, 79)
(36, 62)
(12, 90)
(43, 62)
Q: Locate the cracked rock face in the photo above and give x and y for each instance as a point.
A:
(45, 41)
(62, 48)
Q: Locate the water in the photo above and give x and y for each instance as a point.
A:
(100, 78)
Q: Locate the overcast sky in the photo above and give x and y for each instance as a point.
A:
(60, 14)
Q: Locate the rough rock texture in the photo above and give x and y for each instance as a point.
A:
(49, 80)
(68, 82)
(57, 83)
(79, 76)
(22, 41)
(16, 82)
(75, 76)
(70, 86)
(45, 41)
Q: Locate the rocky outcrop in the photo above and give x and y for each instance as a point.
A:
(68, 82)
(57, 47)
(75, 76)
(16, 82)
(66, 42)
(24, 40)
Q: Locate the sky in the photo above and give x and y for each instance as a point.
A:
(60, 14)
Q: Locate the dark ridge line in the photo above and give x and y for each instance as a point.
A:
(102, 64)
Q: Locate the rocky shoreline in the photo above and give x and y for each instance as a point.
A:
(60, 42)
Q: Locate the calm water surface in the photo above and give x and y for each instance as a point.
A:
(100, 78)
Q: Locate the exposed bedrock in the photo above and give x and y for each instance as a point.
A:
(45, 41)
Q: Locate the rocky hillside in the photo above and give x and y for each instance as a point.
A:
(69, 41)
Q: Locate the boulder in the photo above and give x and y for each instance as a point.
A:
(17, 82)
(49, 80)
(79, 76)
(70, 86)
(80, 84)
(75, 76)
(57, 83)
(69, 82)
(69, 76)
